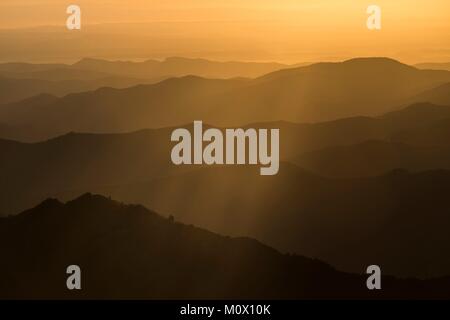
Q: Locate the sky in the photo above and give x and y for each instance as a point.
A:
(287, 30)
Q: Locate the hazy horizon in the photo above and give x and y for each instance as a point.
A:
(289, 32)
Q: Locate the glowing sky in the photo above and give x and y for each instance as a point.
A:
(288, 30)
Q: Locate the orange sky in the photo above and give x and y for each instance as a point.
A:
(285, 30)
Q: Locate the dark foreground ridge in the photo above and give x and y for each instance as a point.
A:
(127, 251)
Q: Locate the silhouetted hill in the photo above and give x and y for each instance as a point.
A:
(308, 211)
(51, 73)
(432, 135)
(23, 80)
(23, 67)
(116, 110)
(414, 138)
(58, 83)
(148, 71)
(318, 92)
(304, 205)
(397, 126)
(398, 220)
(31, 172)
(126, 251)
(179, 66)
(20, 107)
(374, 157)
(438, 95)
(18, 89)
(416, 116)
(361, 86)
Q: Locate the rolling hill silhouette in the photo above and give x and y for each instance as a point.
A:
(397, 126)
(179, 66)
(14, 89)
(18, 89)
(400, 220)
(416, 115)
(22, 80)
(431, 135)
(240, 202)
(371, 158)
(33, 171)
(147, 71)
(414, 138)
(438, 95)
(49, 72)
(126, 251)
(318, 92)
(114, 110)
(361, 86)
(375, 211)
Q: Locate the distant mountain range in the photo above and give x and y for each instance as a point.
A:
(364, 178)
(393, 219)
(178, 66)
(22, 80)
(324, 91)
(16, 89)
(437, 95)
(294, 211)
(413, 138)
(371, 158)
(129, 252)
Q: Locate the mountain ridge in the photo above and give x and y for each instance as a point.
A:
(300, 94)
(153, 257)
